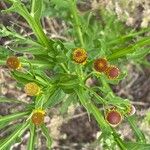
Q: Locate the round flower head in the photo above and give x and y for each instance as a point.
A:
(32, 89)
(100, 64)
(113, 117)
(112, 72)
(38, 117)
(79, 55)
(13, 62)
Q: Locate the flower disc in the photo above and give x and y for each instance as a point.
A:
(113, 117)
(13, 62)
(112, 72)
(80, 55)
(32, 89)
(100, 64)
(38, 117)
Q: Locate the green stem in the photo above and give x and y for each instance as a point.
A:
(95, 94)
(105, 84)
(16, 134)
(36, 26)
(90, 75)
(74, 11)
(90, 107)
(105, 128)
(118, 140)
(64, 68)
(37, 29)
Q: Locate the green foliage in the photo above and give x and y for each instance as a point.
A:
(139, 135)
(16, 134)
(47, 136)
(12, 117)
(31, 143)
(102, 37)
(137, 146)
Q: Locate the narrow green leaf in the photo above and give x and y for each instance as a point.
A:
(4, 52)
(116, 100)
(106, 129)
(18, 132)
(139, 54)
(47, 135)
(36, 9)
(138, 133)
(130, 36)
(32, 137)
(137, 146)
(130, 49)
(90, 107)
(19, 7)
(145, 62)
(22, 77)
(6, 100)
(66, 103)
(118, 140)
(35, 50)
(99, 98)
(10, 129)
(12, 117)
(56, 97)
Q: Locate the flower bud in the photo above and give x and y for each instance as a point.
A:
(100, 64)
(131, 111)
(32, 89)
(13, 62)
(112, 72)
(38, 117)
(113, 117)
(80, 55)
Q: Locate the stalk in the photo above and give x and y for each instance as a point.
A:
(74, 11)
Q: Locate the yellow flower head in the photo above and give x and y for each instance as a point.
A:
(100, 64)
(32, 89)
(13, 62)
(80, 55)
(38, 116)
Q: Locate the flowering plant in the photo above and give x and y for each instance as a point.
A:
(98, 51)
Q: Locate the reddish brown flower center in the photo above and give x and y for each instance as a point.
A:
(79, 54)
(112, 72)
(113, 117)
(100, 65)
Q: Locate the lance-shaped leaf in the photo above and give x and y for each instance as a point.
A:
(12, 117)
(20, 8)
(8, 100)
(137, 146)
(36, 9)
(16, 134)
(130, 49)
(47, 135)
(137, 132)
(91, 108)
(32, 137)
